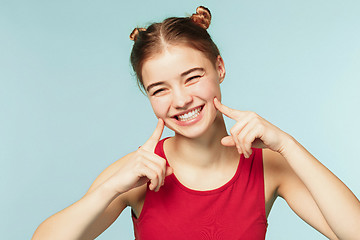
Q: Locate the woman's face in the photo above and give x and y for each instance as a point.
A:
(181, 84)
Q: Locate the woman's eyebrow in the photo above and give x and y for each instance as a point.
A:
(153, 85)
(192, 70)
(182, 75)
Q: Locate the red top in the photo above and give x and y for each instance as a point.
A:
(234, 211)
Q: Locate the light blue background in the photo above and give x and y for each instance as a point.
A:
(70, 105)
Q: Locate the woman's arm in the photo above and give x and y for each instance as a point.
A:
(337, 204)
(109, 194)
(88, 217)
(290, 187)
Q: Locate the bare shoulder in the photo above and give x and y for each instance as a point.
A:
(279, 173)
(125, 199)
(275, 170)
(117, 205)
(108, 172)
(275, 166)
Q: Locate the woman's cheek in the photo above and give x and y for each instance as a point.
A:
(209, 90)
(160, 107)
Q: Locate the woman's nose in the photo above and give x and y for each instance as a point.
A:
(181, 99)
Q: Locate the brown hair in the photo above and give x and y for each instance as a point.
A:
(189, 31)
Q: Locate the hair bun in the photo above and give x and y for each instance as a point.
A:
(202, 17)
(134, 34)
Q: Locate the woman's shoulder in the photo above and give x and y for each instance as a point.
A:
(126, 198)
(277, 171)
(273, 164)
(109, 171)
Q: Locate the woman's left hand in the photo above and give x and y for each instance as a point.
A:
(251, 130)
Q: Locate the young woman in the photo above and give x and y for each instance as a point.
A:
(203, 183)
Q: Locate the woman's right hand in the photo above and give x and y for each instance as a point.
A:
(142, 166)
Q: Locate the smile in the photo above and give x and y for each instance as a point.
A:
(189, 115)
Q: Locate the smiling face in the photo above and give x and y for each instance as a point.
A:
(181, 84)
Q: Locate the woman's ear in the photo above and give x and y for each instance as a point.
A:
(220, 67)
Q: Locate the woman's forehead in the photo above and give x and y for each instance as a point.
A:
(173, 62)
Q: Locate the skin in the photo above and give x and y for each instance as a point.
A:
(202, 147)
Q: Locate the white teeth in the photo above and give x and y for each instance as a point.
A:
(190, 115)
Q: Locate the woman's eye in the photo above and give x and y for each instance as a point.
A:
(158, 91)
(193, 78)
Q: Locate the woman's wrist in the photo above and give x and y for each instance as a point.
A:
(288, 146)
(107, 191)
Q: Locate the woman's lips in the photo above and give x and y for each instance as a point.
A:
(189, 117)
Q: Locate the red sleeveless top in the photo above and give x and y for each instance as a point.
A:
(234, 211)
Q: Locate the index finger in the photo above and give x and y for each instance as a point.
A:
(229, 112)
(151, 143)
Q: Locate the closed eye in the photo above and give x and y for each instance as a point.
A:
(157, 91)
(193, 78)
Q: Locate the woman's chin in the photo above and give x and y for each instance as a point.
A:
(191, 131)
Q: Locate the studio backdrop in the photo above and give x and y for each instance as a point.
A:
(70, 106)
